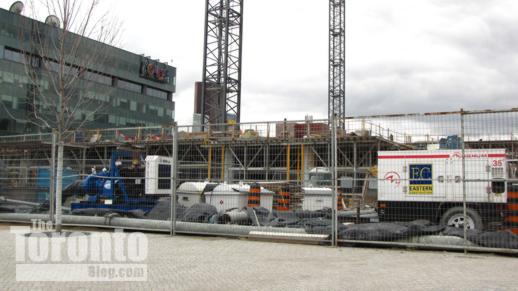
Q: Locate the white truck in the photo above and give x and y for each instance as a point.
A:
(429, 185)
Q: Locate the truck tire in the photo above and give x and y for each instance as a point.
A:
(454, 217)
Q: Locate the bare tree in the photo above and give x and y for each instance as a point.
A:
(61, 58)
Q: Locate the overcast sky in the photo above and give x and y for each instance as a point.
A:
(402, 55)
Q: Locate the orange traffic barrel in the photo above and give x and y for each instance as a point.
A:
(282, 200)
(254, 196)
(511, 218)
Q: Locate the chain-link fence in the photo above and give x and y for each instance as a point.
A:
(441, 180)
(26, 174)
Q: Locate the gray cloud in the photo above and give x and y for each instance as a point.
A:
(402, 55)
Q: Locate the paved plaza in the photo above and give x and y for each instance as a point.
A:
(201, 263)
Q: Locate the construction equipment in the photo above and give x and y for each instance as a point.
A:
(430, 185)
(128, 190)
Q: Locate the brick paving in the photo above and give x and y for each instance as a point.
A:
(200, 263)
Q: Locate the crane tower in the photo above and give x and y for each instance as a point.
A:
(221, 85)
(336, 94)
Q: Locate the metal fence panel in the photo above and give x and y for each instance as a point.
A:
(26, 174)
(442, 180)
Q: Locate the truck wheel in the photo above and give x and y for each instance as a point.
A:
(454, 217)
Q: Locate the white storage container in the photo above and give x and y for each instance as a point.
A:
(224, 197)
(190, 193)
(317, 198)
(228, 196)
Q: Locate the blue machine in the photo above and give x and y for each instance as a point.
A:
(107, 191)
(43, 182)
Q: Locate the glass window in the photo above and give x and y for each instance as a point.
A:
(97, 96)
(15, 103)
(8, 77)
(102, 118)
(4, 124)
(69, 70)
(133, 106)
(51, 66)
(98, 78)
(89, 117)
(153, 110)
(44, 84)
(156, 93)
(21, 79)
(78, 115)
(7, 101)
(14, 56)
(55, 67)
(104, 98)
(112, 120)
(124, 104)
(129, 86)
(35, 61)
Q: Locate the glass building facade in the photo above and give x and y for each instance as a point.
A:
(127, 89)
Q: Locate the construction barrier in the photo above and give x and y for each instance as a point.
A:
(512, 212)
(254, 195)
(282, 200)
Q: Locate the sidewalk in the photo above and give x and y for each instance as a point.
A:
(198, 263)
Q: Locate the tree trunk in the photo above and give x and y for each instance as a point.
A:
(59, 185)
(52, 186)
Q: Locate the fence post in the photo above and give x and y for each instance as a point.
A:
(52, 179)
(334, 220)
(174, 174)
(464, 198)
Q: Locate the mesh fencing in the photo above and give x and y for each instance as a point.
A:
(25, 175)
(446, 180)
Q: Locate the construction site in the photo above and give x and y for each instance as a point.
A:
(439, 180)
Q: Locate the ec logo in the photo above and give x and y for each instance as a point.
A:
(421, 182)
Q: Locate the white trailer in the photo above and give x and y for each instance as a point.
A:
(429, 185)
